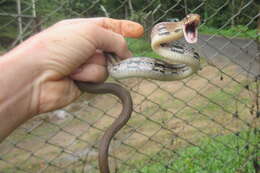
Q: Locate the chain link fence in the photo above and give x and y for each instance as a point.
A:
(206, 123)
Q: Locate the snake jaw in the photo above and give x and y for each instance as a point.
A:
(191, 32)
(190, 27)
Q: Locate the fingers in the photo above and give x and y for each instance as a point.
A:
(98, 58)
(125, 28)
(94, 70)
(83, 37)
(106, 40)
(91, 73)
(106, 33)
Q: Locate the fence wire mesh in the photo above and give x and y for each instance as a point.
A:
(206, 123)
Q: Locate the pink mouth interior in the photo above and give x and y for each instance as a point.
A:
(190, 32)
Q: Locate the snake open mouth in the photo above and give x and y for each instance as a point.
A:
(191, 32)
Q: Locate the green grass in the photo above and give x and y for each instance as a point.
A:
(223, 154)
(232, 151)
(237, 31)
(217, 99)
(220, 97)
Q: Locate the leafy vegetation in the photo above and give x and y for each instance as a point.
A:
(234, 18)
(224, 154)
(237, 31)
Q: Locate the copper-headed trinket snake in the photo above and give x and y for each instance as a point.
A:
(165, 38)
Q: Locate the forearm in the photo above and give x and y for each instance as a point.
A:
(17, 95)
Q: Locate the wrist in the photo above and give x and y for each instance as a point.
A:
(19, 88)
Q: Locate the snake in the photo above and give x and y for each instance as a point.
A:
(165, 41)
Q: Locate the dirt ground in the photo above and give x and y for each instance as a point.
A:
(167, 116)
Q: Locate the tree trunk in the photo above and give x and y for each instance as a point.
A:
(19, 20)
(130, 5)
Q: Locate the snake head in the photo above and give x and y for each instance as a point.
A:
(190, 27)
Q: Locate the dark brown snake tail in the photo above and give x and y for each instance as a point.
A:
(125, 97)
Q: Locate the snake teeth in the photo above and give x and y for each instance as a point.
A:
(190, 32)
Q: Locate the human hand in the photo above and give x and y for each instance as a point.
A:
(72, 50)
(37, 76)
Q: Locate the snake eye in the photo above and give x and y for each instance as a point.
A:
(196, 55)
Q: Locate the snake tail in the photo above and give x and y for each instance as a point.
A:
(120, 121)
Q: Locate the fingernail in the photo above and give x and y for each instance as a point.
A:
(132, 29)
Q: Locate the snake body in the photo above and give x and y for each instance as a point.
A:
(164, 41)
(122, 119)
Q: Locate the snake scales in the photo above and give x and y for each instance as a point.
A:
(164, 41)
